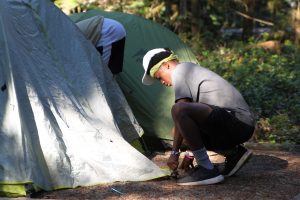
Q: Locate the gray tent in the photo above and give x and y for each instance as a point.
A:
(61, 111)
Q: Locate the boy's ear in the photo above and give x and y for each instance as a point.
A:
(164, 64)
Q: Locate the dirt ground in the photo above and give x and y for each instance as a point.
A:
(268, 175)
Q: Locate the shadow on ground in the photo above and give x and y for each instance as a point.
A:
(264, 163)
(268, 175)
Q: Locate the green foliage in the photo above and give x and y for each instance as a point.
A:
(67, 5)
(269, 82)
(138, 7)
(277, 129)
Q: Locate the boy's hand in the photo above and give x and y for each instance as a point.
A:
(187, 163)
(173, 162)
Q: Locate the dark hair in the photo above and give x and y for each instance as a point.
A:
(157, 58)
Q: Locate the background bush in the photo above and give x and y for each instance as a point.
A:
(270, 83)
(269, 79)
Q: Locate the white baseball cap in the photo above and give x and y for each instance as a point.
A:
(148, 62)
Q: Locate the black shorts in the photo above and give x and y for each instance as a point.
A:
(223, 131)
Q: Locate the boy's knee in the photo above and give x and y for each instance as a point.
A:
(179, 109)
(197, 111)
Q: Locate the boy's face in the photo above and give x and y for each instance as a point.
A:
(164, 74)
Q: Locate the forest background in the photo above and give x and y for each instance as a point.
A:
(254, 44)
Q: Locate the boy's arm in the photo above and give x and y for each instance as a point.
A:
(177, 138)
(174, 156)
(177, 141)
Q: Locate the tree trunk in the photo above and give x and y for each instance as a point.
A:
(183, 12)
(168, 7)
(248, 23)
(297, 24)
(183, 8)
(195, 10)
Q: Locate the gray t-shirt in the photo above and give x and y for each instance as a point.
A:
(202, 85)
(91, 28)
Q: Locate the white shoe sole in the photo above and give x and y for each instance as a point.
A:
(210, 181)
(241, 162)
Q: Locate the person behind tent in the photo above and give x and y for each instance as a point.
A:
(209, 114)
(108, 36)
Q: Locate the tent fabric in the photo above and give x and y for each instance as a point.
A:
(12, 190)
(61, 111)
(151, 105)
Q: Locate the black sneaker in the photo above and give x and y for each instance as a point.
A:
(235, 161)
(201, 176)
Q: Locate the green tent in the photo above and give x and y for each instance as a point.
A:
(151, 105)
